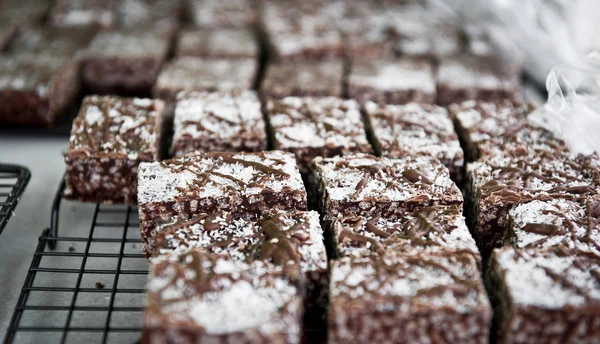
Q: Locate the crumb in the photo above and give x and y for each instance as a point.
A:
(99, 285)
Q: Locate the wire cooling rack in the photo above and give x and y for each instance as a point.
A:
(91, 287)
(13, 180)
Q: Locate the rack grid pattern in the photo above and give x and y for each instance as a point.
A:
(91, 288)
(13, 180)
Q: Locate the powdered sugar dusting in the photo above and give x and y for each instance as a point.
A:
(404, 74)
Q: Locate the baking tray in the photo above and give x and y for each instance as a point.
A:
(91, 287)
(13, 181)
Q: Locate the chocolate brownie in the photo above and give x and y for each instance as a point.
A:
(246, 184)
(204, 74)
(556, 222)
(218, 43)
(77, 13)
(52, 41)
(218, 14)
(408, 298)
(392, 81)
(413, 129)
(363, 185)
(36, 89)
(205, 298)
(7, 32)
(545, 296)
(219, 121)
(109, 139)
(304, 78)
(150, 13)
(500, 183)
(125, 62)
(469, 77)
(24, 12)
(311, 127)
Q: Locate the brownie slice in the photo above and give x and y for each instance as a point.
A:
(125, 62)
(52, 41)
(470, 77)
(246, 184)
(546, 296)
(206, 298)
(304, 78)
(501, 183)
(414, 299)
(204, 74)
(556, 222)
(36, 89)
(363, 185)
(7, 32)
(392, 81)
(222, 14)
(78, 13)
(220, 121)
(109, 139)
(414, 129)
(311, 127)
(150, 13)
(218, 43)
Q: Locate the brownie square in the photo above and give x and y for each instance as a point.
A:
(222, 14)
(311, 127)
(109, 139)
(150, 13)
(470, 77)
(498, 185)
(392, 81)
(218, 43)
(205, 298)
(204, 74)
(363, 185)
(545, 296)
(246, 184)
(77, 13)
(413, 299)
(24, 12)
(7, 32)
(125, 62)
(217, 122)
(556, 222)
(36, 89)
(413, 129)
(304, 79)
(52, 41)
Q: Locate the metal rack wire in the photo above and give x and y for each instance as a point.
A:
(13, 180)
(91, 288)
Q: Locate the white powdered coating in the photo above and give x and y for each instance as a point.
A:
(314, 256)
(414, 128)
(219, 14)
(340, 181)
(218, 115)
(485, 120)
(472, 73)
(93, 115)
(157, 183)
(71, 13)
(393, 75)
(139, 44)
(356, 279)
(218, 43)
(528, 282)
(29, 72)
(317, 122)
(189, 73)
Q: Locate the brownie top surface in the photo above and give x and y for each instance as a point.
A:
(47, 40)
(225, 114)
(393, 75)
(216, 295)
(557, 222)
(122, 127)
(190, 73)
(130, 44)
(287, 78)
(414, 128)
(210, 13)
(82, 12)
(225, 42)
(135, 13)
(30, 72)
(413, 282)
(360, 177)
(316, 122)
(478, 72)
(282, 239)
(219, 175)
(429, 229)
(439, 41)
(567, 278)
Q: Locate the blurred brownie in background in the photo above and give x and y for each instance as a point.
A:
(204, 74)
(36, 90)
(150, 13)
(222, 14)
(218, 43)
(24, 12)
(78, 13)
(125, 62)
(303, 79)
(53, 41)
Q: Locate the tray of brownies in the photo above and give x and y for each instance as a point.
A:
(302, 171)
